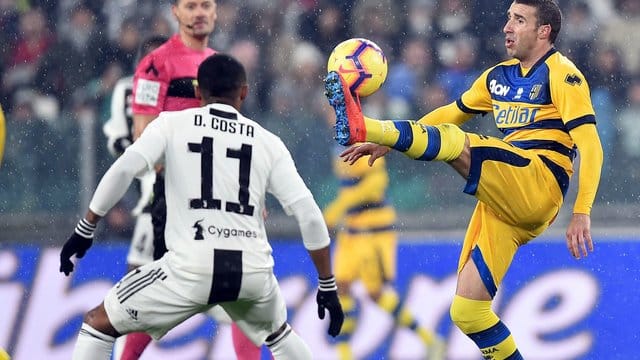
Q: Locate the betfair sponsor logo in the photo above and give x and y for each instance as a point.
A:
(513, 115)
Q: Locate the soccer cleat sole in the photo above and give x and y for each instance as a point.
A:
(335, 95)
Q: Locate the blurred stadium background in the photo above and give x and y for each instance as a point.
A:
(60, 59)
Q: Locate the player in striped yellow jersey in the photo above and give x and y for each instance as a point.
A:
(541, 103)
(2, 134)
(366, 249)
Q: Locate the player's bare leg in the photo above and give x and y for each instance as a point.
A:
(96, 337)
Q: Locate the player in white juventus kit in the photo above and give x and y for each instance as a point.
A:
(219, 165)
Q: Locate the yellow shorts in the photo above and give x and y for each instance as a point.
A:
(368, 257)
(519, 193)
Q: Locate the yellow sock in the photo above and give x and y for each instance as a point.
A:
(350, 313)
(381, 132)
(443, 142)
(476, 319)
(4, 355)
(344, 351)
(389, 301)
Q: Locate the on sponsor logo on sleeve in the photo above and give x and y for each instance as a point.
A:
(147, 92)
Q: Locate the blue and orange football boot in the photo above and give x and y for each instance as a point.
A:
(349, 126)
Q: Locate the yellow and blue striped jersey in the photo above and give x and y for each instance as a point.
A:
(361, 205)
(535, 108)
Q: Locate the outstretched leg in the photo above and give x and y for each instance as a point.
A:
(443, 142)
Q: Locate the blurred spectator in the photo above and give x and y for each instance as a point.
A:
(9, 18)
(324, 25)
(607, 71)
(420, 14)
(161, 26)
(621, 32)
(455, 45)
(488, 25)
(609, 83)
(299, 114)
(603, 10)
(407, 76)
(378, 21)
(431, 97)
(227, 24)
(629, 129)
(118, 12)
(126, 44)
(247, 52)
(74, 59)
(458, 59)
(33, 41)
(627, 179)
(576, 37)
(30, 161)
(453, 17)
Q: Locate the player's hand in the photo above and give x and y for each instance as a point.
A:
(579, 236)
(355, 152)
(327, 299)
(78, 244)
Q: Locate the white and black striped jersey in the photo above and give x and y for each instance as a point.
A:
(119, 132)
(218, 167)
(119, 127)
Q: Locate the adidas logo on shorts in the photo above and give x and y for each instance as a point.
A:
(133, 314)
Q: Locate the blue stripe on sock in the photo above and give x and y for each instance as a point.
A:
(433, 144)
(515, 356)
(490, 337)
(406, 135)
(483, 269)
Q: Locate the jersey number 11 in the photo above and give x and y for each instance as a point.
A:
(206, 200)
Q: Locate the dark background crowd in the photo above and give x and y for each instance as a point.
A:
(59, 61)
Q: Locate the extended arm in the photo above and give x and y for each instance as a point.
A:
(111, 188)
(316, 240)
(591, 157)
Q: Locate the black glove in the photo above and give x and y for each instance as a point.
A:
(327, 298)
(79, 242)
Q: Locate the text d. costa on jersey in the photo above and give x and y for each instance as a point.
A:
(225, 125)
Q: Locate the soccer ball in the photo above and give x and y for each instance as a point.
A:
(361, 63)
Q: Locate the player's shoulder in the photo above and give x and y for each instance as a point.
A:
(558, 62)
(155, 58)
(563, 70)
(498, 66)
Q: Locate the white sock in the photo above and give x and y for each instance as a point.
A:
(289, 346)
(118, 347)
(92, 344)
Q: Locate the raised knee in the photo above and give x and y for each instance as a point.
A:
(97, 318)
(472, 316)
(460, 315)
(279, 334)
